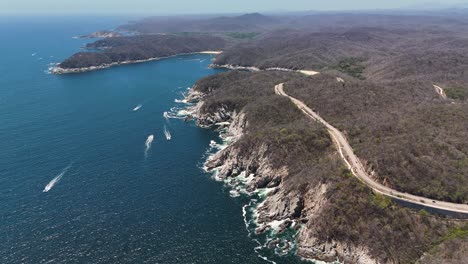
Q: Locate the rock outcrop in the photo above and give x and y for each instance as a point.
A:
(282, 207)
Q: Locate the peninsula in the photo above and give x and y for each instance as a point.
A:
(133, 49)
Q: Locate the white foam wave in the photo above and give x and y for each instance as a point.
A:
(148, 143)
(183, 113)
(234, 193)
(173, 113)
(166, 116)
(138, 107)
(50, 67)
(57, 178)
(34, 54)
(213, 144)
(249, 231)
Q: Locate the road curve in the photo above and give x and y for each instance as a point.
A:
(358, 170)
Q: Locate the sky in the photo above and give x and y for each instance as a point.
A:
(203, 6)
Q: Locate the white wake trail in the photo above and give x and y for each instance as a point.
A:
(138, 107)
(56, 179)
(148, 143)
(167, 133)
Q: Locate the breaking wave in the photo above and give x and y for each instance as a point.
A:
(166, 116)
(274, 241)
(50, 67)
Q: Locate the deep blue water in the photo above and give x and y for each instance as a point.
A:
(113, 204)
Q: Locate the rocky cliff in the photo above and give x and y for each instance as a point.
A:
(291, 169)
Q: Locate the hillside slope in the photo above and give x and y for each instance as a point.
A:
(339, 217)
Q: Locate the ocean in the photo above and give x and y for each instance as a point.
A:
(87, 174)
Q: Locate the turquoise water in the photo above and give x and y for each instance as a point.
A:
(112, 203)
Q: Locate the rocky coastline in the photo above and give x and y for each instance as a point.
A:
(102, 34)
(276, 210)
(60, 70)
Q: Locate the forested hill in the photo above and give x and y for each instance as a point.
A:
(141, 47)
(244, 23)
(362, 52)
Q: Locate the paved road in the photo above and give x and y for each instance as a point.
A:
(356, 166)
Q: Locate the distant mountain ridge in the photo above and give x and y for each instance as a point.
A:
(246, 22)
(437, 6)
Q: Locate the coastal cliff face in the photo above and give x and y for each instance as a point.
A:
(284, 206)
(290, 163)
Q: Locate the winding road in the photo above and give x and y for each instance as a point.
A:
(358, 170)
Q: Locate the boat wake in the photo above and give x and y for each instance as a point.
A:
(138, 107)
(148, 143)
(57, 178)
(167, 133)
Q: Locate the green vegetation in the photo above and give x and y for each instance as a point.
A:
(423, 212)
(381, 201)
(346, 172)
(450, 248)
(351, 66)
(242, 35)
(456, 233)
(457, 93)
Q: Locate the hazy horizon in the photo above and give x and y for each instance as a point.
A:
(158, 7)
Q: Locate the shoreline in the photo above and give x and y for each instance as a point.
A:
(256, 69)
(59, 70)
(274, 237)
